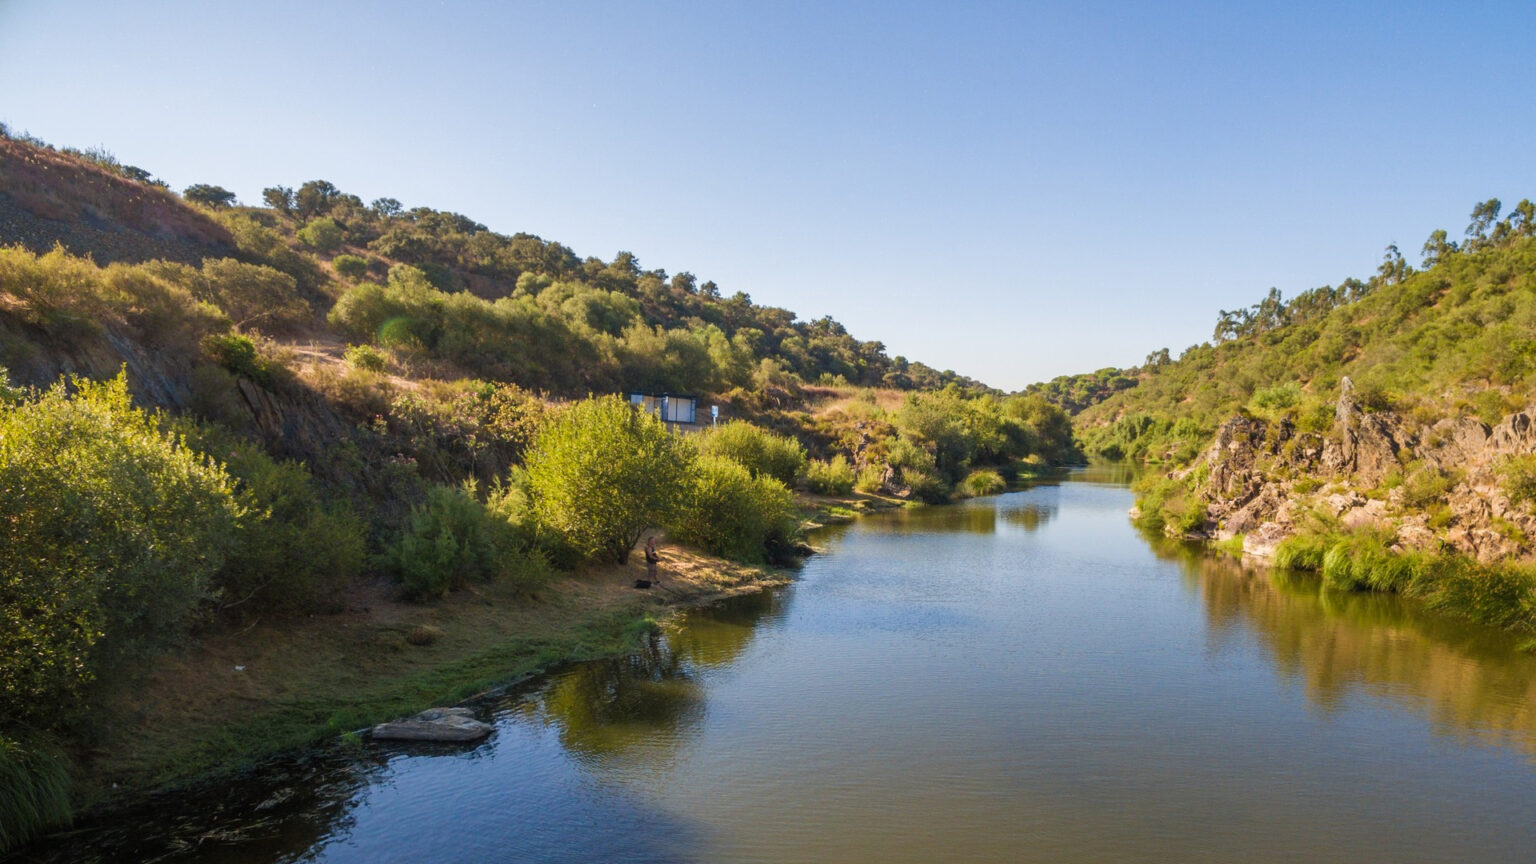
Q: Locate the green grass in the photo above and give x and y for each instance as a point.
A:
(34, 790)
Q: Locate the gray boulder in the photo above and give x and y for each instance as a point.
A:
(435, 724)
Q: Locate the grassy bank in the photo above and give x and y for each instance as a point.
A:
(247, 695)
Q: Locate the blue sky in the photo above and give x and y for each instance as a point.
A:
(1011, 190)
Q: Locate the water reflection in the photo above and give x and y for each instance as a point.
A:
(651, 702)
(275, 813)
(1468, 681)
(981, 516)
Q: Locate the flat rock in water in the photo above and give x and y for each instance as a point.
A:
(435, 724)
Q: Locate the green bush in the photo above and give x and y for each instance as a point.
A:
(350, 266)
(985, 482)
(1518, 475)
(324, 234)
(833, 477)
(871, 478)
(759, 451)
(238, 354)
(366, 358)
(729, 512)
(1273, 401)
(291, 551)
(452, 540)
(926, 487)
(112, 531)
(602, 473)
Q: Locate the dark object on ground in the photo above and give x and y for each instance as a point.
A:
(642, 583)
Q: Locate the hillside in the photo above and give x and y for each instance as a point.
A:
(216, 417)
(1380, 432)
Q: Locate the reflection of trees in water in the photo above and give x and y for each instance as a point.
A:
(612, 707)
(1468, 680)
(651, 700)
(275, 813)
(1031, 517)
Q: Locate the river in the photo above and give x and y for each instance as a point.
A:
(1018, 678)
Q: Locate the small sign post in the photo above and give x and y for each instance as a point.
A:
(714, 415)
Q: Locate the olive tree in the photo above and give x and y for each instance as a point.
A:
(602, 473)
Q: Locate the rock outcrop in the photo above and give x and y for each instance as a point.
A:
(1436, 485)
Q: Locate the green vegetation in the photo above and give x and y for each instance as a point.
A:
(727, 511)
(762, 453)
(830, 477)
(601, 474)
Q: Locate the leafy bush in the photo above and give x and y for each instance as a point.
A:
(451, 540)
(601, 473)
(871, 478)
(833, 477)
(1518, 475)
(290, 550)
(112, 532)
(1273, 401)
(759, 451)
(251, 293)
(237, 353)
(1303, 551)
(366, 358)
(926, 487)
(984, 482)
(350, 266)
(324, 234)
(729, 512)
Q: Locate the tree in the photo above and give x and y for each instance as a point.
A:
(1483, 217)
(314, 198)
(603, 473)
(208, 196)
(1437, 247)
(385, 208)
(279, 198)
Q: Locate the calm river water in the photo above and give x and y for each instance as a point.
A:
(1020, 678)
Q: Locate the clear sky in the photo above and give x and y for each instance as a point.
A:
(1011, 190)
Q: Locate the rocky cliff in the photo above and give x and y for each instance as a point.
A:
(1435, 486)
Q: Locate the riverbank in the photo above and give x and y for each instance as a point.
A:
(274, 687)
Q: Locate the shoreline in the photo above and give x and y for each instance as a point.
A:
(245, 697)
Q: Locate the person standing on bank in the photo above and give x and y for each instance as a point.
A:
(652, 558)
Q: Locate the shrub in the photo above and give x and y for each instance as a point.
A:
(1518, 475)
(924, 486)
(601, 473)
(759, 451)
(290, 551)
(729, 512)
(1273, 401)
(830, 478)
(871, 478)
(350, 266)
(112, 532)
(237, 353)
(251, 292)
(324, 234)
(985, 482)
(450, 541)
(366, 358)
